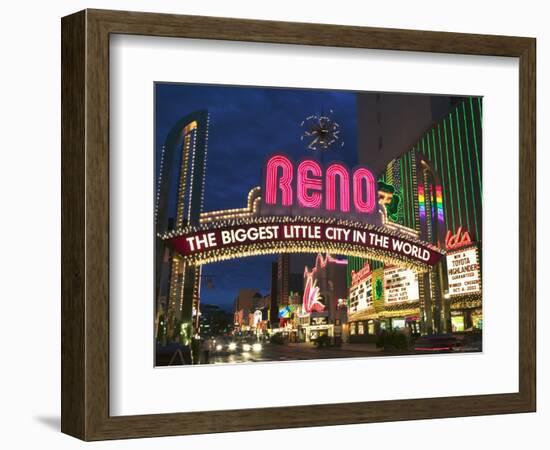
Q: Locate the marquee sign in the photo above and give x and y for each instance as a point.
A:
(401, 285)
(304, 207)
(226, 240)
(360, 291)
(463, 272)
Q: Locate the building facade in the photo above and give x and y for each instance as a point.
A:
(178, 204)
(434, 189)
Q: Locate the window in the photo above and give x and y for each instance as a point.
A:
(477, 321)
(370, 327)
(398, 324)
(457, 323)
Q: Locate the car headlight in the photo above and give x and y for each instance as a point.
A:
(257, 347)
(246, 347)
(219, 347)
(232, 346)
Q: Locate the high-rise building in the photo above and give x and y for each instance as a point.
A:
(290, 272)
(274, 295)
(247, 301)
(283, 275)
(178, 204)
(391, 123)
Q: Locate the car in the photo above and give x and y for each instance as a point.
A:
(223, 345)
(250, 345)
(232, 346)
(438, 343)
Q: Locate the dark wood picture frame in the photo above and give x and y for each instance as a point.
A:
(85, 224)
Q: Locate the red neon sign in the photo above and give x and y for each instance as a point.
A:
(459, 239)
(273, 183)
(311, 301)
(333, 171)
(364, 190)
(309, 184)
(310, 189)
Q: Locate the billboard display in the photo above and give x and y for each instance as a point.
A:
(463, 272)
(400, 284)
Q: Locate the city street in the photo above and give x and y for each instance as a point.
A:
(308, 351)
(292, 352)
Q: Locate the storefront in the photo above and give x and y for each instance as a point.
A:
(363, 330)
(466, 320)
(312, 327)
(386, 299)
(409, 324)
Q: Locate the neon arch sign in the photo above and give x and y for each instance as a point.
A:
(304, 185)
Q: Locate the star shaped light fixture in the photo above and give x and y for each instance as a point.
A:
(321, 132)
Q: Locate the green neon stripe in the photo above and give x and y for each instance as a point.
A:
(480, 109)
(435, 148)
(429, 149)
(430, 158)
(475, 143)
(462, 167)
(456, 170)
(470, 167)
(449, 177)
(446, 201)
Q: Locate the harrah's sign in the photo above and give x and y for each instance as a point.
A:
(305, 188)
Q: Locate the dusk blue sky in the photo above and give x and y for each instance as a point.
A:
(246, 125)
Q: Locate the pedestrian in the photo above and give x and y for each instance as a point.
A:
(207, 346)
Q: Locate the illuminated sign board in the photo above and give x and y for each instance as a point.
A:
(307, 187)
(211, 244)
(463, 272)
(360, 292)
(257, 317)
(460, 239)
(286, 311)
(312, 299)
(400, 285)
(304, 207)
(319, 320)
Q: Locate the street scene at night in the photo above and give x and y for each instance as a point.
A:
(303, 224)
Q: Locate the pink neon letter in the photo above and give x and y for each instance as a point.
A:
(271, 184)
(330, 187)
(364, 200)
(305, 184)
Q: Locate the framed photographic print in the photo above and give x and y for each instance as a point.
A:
(270, 224)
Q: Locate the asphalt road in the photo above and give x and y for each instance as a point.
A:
(292, 352)
(288, 352)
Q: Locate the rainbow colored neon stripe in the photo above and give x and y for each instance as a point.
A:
(421, 202)
(439, 202)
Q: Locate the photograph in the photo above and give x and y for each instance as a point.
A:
(305, 224)
(300, 224)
